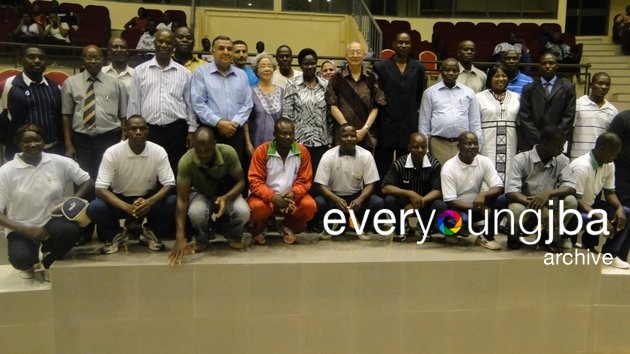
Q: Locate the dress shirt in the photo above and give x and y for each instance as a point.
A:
(125, 76)
(111, 102)
(161, 95)
(530, 176)
(216, 96)
(448, 112)
(473, 78)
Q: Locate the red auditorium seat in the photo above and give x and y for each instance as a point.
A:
(5, 74)
(426, 46)
(552, 26)
(467, 29)
(507, 28)
(178, 16)
(44, 6)
(486, 27)
(91, 34)
(155, 15)
(387, 53)
(132, 36)
(438, 29)
(95, 14)
(57, 76)
(429, 60)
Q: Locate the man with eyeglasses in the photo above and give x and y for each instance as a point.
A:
(94, 106)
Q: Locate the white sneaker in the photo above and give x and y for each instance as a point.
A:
(491, 245)
(120, 240)
(148, 237)
(618, 263)
(27, 274)
(325, 235)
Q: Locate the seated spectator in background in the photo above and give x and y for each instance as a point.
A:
(620, 125)
(498, 109)
(621, 30)
(38, 16)
(535, 177)
(260, 47)
(56, 32)
(31, 98)
(140, 22)
(513, 43)
(94, 106)
(448, 109)
(413, 182)
(147, 39)
(284, 56)
(30, 184)
(549, 100)
(593, 114)
(305, 104)
(126, 189)
(347, 177)
(516, 79)
(207, 47)
(167, 23)
(184, 42)
(462, 179)
(268, 101)
(279, 177)
(327, 69)
(209, 185)
(28, 31)
(594, 172)
(118, 54)
(469, 75)
(354, 95)
(562, 50)
(239, 59)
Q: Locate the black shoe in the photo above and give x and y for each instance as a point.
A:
(399, 238)
(514, 244)
(551, 248)
(429, 238)
(272, 224)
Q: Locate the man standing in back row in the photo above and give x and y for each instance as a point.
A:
(402, 81)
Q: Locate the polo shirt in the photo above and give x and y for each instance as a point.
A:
(27, 191)
(134, 175)
(346, 175)
(528, 174)
(420, 179)
(463, 182)
(206, 179)
(591, 121)
(591, 178)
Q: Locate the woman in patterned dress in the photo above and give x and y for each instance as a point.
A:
(499, 108)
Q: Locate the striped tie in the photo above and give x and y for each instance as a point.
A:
(89, 106)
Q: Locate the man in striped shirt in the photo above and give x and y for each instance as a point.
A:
(593, 114)
(160, 93)
(30, 98)
(413, 182)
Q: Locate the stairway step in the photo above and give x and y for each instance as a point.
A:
(604, 59)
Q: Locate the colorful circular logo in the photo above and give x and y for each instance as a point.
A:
(449, 218)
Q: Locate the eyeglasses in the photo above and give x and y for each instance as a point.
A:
(92, 60)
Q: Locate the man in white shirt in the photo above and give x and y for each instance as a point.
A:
(346, 176)
(462, 180)
(126, 189)
(118, 54)
(594, 172)
(593, 115)
(284, 57)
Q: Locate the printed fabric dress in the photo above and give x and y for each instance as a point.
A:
(498, 125)
(267, 109)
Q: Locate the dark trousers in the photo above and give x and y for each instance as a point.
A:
(24, 250)
(374, 203)
(316, 153)
(106, 217)
(619, 244)
(396, 204)
(384, 156)
(497, 203)
(237, 141)
(172, 137)
(90, 150)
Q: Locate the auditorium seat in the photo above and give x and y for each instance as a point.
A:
(132, 36)
(59, 77)
(178, 16)
(155, 15)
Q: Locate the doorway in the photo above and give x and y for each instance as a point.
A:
(587, 17)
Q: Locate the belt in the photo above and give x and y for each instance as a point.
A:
(446, 139)
(177, 121)
(50, 144)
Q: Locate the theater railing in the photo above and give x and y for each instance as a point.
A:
(70, 56)
(368, 27)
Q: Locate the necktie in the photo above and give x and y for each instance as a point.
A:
(89, 106)
(548, 88)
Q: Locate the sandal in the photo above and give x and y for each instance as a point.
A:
(259, 239)
(289, 236)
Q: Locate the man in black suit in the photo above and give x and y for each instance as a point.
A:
(402, 80)
(549, 100)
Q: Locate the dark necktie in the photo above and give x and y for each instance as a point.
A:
(89, 106)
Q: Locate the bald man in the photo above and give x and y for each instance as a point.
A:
(92, 123)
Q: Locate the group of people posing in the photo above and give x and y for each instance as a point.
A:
(228, 146)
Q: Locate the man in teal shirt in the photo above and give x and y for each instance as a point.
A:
(209, 184)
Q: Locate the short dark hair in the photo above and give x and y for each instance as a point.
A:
(551, 133)
(598, 74)
(607, 139)
(344, 126)
(284, 46)
(19, 133)
(305, 52)
(220, 38)
(23, 52)
(283, 120)
(238, 41)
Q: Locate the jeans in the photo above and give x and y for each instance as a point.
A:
(200, 209)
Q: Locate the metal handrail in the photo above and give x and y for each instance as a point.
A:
(368, 27)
